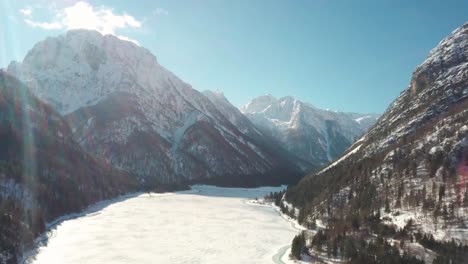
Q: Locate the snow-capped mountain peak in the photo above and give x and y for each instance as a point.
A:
(317, 136)
(124, 106)
(97, 64)
(258, 104)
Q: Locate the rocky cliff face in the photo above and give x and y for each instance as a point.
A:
(411, 164)
(125, 107)
(314, 135)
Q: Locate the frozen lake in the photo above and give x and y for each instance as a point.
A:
(205, 225)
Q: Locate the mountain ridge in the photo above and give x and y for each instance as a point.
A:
(310, 133)
(44, 173)
(117, 97)
(405, 178)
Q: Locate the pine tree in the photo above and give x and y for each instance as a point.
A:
(401, 190)
(441, 192)
(398, 203)
(350, 195)
(387, 205)
(465, 199)
(334, 248)
(312, 224)
(445, 212)
(349, 249)
(301, 217)
(297, 246)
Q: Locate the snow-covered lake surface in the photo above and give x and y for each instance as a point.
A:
(205, 225)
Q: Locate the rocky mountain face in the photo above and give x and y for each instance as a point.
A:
(313, 135)
(44, 173)
(406, 179)
(236, 117)
(125, 107)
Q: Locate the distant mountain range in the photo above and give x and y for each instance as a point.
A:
(122, 105)
(314, 136)
(125, 107)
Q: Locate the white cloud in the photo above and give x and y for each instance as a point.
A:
(83, 15)
(27, 11)
(43, 25)
(160, 11)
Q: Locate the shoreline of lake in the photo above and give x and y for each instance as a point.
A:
(242, 194)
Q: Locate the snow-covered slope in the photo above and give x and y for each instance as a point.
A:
(366, 121)
(236, 117)
(413, 161)
(232, 114)
(315, 135)
(123, 106)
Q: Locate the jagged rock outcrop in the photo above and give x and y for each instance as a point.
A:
(411, 165)
(313, 135)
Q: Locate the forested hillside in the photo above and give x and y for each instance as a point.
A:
(43, 172)
(403, 183)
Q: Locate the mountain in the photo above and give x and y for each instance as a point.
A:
(313, 135)
(406, 178)
(122, 105)
(241, 122)
(366, 121)
(236, 117)
(44, 173)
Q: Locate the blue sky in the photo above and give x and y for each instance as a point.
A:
(342, 55)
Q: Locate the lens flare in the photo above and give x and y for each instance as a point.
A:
(24, 105)
(462, 172)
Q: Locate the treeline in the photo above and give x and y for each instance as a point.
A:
(366, 240)
(448, 252)
(44, 173)
(402, 177)
(275, 197)
(355, 249)
(282, 174)
(18, 228)
(409, 161)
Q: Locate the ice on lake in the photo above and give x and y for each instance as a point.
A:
(205, 225)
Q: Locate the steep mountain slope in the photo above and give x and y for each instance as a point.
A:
(123, 106)
(235, 116)
(411, 165)
(314, 135)
(366, 121)
(44, 173)
(232, 114)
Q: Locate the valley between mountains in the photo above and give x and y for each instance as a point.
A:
(87, 117)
